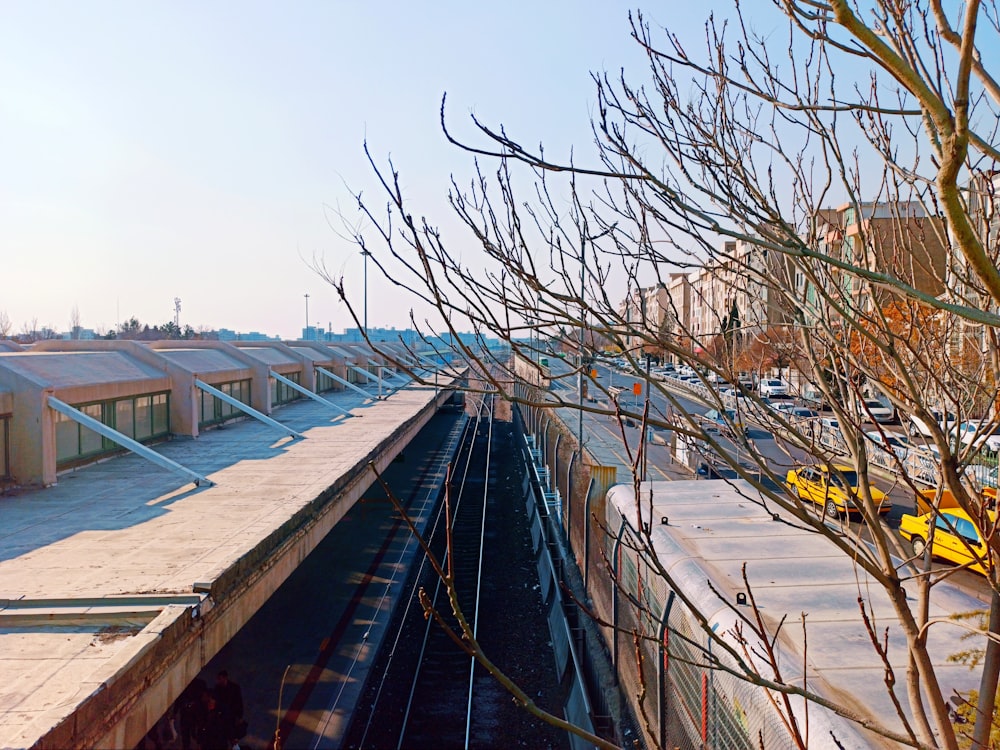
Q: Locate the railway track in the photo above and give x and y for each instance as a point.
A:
(443, 684)
(429, 678)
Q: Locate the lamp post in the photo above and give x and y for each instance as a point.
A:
(306, 332)
(365, 253)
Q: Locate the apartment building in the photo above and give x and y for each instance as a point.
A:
(897, 238)
(749, 289)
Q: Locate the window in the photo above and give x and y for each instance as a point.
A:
(124, 421)
(141, 418)
(214, 410)
(282, 393)
(4, 449)
(324, 382)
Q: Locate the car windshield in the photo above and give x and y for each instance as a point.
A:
(847, 475)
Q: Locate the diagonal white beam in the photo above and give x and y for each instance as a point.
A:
(248, 409)
(125, 441)
(306, 392)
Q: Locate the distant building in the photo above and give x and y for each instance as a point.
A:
(225, 334)
(408, 336)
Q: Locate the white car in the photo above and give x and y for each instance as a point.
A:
(983, 433)
(919, 427)
(877, 411)
(897, 442)
(771, 387)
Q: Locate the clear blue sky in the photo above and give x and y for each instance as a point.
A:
(180, 149)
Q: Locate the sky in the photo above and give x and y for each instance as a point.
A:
(207, 151)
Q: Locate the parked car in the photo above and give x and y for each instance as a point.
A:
(980, 434)
(833, 488)
(802, 412)
(956, 537)
(897, 442)
(772, 387)
(726, 421)
(877, 411)
(945, 420)
(781, 406)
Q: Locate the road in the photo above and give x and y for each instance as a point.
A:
(777, 453)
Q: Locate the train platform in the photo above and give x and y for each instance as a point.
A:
(303, 659)
(118, 584)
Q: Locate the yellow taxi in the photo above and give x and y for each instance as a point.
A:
(956, 537)
(833, 488)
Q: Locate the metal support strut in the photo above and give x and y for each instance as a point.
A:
(125, 441)
(248, 409)
(306, 392)
(347, 383)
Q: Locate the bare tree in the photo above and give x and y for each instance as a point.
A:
(730, 166)
(6, 325)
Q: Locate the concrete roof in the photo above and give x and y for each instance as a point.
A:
(123, 528)
(714, 530)
(344, 353)
(202, 360)
(313, 354)
(78, 368)
(269, 355)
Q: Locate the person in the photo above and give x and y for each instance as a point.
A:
(230, 699)
(214, 732)
(189, 712)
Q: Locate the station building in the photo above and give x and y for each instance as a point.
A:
(149, 391)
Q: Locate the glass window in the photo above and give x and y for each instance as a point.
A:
(207, 407)
(161, 414)
(123, 417)
(966, 529)
(4, 450)
(90, 441)
(67, 438)
(946, 523)
(324, 382)
(214, 409)
(143, 412)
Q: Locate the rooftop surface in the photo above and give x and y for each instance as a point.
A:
(716, 528)
(125, 528)
(65, 369)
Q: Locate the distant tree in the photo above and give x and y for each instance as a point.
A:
(168, 330)
(6, 325)
(130, 329)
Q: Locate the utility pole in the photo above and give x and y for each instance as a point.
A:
(306, 332)
(365, 319)
(177, 312)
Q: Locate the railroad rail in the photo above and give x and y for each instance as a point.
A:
(432, 679)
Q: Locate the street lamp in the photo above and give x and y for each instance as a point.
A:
(365, 253)
(306, 332)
